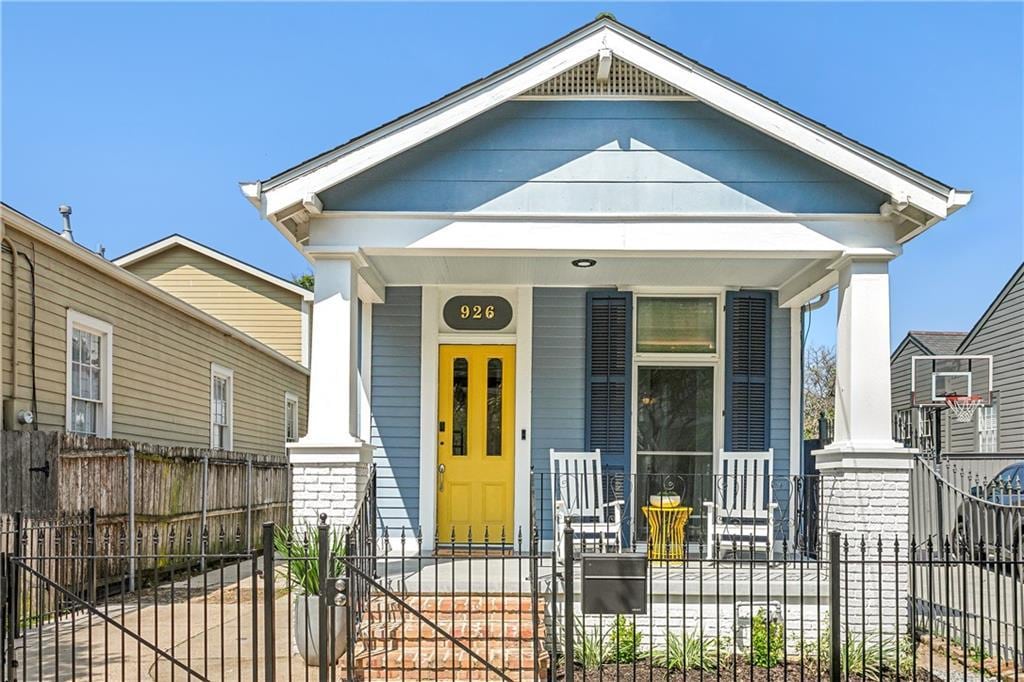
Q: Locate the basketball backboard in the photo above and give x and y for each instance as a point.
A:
(934, 379)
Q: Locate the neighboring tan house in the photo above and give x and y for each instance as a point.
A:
(611, 243)
(999, 333)
(91, 348)
(264, 306)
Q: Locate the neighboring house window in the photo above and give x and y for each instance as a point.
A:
(291, 417)
(988, 428)
(903, 427)
(221, 409)
(89, 384)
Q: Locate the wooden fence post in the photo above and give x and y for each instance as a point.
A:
(131, 517)
(248, 503)
(203, 510)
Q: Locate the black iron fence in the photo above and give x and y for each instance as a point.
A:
(362, 602)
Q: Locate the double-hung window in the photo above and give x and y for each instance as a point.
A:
(988, 428)
(89, 380)
(221, 408)
(291, 417)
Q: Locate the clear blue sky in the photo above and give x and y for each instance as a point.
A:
(145, 117)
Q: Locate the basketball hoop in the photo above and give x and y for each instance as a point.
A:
(963, 406)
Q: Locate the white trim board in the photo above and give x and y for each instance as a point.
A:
(174, 240)
(430, 339)
(281, 193)
(105, 330)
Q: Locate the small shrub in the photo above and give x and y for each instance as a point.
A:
(767, 641)
(616, 643)
(689, 652)
(625, 641)
(870, 657)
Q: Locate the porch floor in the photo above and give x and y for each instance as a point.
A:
(687, 579)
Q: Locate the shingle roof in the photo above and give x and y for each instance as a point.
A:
(939, 343)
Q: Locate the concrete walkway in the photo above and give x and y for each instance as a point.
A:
(212, 637)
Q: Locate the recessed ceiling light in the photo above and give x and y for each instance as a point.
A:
(584, 263)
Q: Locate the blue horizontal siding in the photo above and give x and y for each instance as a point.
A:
(606, 156)
(558, 400)
(395, 406)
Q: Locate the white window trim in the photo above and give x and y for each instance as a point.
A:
(290, 397)
(77, 320)
(229, 374)
(648, 358)
(995, 431)
(714, 360)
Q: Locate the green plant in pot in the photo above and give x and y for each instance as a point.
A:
(668, 492)
(300, 550)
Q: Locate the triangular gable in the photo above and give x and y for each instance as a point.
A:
(917, 200)
(623, 80)
(1003, 293)
(178, 241)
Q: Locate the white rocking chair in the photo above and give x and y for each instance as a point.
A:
(742, 515)
(577, 490)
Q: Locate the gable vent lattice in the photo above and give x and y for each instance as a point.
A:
(625, 80)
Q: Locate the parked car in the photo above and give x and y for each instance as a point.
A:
(990, 520)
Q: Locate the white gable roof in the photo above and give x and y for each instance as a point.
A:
(177, 240)
(917, 198)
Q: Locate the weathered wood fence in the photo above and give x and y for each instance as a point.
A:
(137, 488)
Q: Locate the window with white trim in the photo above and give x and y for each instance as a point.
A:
(291, 417)
(89, 382)
(988, 428)
(221, 408)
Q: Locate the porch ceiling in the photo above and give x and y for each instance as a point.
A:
(548, 270)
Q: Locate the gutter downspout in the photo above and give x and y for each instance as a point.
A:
(15, 317)
(807, 309)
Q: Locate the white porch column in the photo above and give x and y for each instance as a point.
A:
(331, 462)
(865, 475)
(863, 413)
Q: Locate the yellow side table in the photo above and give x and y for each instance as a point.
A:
(667, 537)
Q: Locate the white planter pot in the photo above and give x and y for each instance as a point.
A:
(307, 630)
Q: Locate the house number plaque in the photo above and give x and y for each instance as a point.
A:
(477, 313)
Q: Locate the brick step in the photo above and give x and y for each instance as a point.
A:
(450, 658)
(458, 604)
(476, 629)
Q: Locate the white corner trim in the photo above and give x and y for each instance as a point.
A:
(428, 413)
(304, 335)
(105, 330)
(220, 371)
(524, 412)
(177, 240)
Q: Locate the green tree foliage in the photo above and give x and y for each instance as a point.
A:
(819, 387)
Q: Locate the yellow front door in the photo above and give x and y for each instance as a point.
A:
(475, 442)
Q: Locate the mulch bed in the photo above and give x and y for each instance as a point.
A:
(743, 672)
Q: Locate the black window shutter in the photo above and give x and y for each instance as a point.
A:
(747, 370)
(609, 364)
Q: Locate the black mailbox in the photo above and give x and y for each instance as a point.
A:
(614, 583)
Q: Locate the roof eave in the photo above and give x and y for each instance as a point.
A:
(905, 185)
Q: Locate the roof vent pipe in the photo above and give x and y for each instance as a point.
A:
(65, 212)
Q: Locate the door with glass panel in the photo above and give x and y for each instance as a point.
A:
(675, 437)
(475, 442)
(676, 350)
